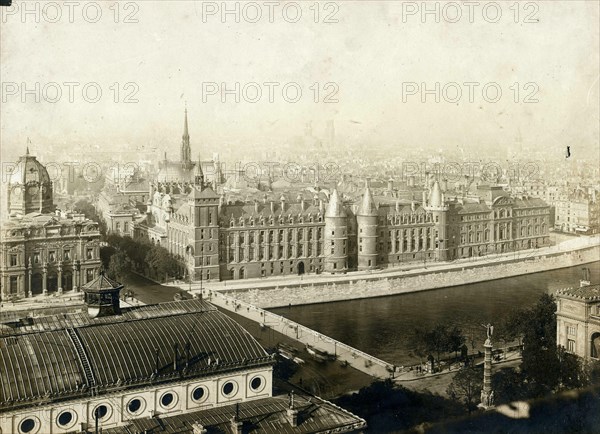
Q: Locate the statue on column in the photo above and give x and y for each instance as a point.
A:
(487, 394)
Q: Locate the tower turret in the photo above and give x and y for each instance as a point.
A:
(336, 235)
(437, 207)
(366, 218)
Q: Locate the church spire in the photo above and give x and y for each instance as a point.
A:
(185, 143)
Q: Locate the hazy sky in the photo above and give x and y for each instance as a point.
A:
(373, 53)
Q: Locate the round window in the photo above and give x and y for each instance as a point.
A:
(167, 400)
(257, 384)
(100, 412)
(199, 394)
(134, 406)
(65, 418)
(27, 425)
(229, 388)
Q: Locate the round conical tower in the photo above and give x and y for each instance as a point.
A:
(437, 207)
(336, 236)
(366, 219)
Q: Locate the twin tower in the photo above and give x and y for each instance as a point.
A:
(350, 240)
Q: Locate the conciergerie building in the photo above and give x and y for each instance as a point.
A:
(219, 239)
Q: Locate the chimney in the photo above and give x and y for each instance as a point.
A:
(302, 205)
(272, 207)
(391, 185)
(291, 413)
(255, 206)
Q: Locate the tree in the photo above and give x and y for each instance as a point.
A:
(119, 265)
(161, 262)
(466, 387)
(439, 340)
(105, 254)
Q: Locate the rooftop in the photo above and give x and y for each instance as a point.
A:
(587, 293)
(263, 416)
(43, 366)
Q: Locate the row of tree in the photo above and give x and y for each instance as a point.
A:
(123, 254)
(440, 340)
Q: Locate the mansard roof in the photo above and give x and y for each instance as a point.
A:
(45, 366)
(261, 209)
(266, 415)
(584, 293)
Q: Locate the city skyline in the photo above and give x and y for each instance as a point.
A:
(367, 75)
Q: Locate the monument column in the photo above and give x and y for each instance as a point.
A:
(487, 394)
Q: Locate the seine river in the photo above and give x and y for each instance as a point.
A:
(382, 326)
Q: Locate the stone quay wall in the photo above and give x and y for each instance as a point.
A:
(438, 276)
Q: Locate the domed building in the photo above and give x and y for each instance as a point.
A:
(29, 188)
(43, 251)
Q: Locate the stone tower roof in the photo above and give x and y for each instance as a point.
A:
(335, 208)
(367, 205)
(435, 197)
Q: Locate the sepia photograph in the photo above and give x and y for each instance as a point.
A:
(310, 216)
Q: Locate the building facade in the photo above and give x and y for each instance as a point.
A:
(578, 212)
(43, 251)
(218, 239)
(578, 320)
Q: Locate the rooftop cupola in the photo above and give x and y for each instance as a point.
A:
(101, 296)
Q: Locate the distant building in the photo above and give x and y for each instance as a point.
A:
(179, 367)
(41, 250)
(217, 239)
(578, 320)
(578, 212)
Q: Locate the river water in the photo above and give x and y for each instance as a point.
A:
(383, 326)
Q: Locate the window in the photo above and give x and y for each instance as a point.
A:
(135, 406)
(89, 254)
(168, 400)
(13, 260)
(571, 330)
(65, 419)
(67, 255)
(51, 256)
(571, 345)
(14, 283)
(101, 412)
(199, 394)
(257, 384)
(27, 425)
(229, 388)
(36, 257)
